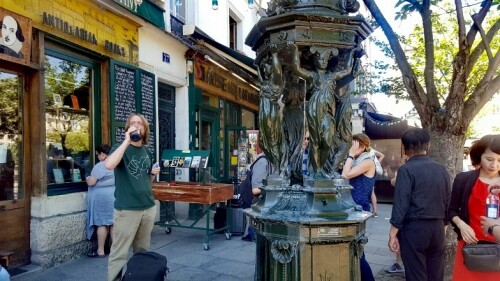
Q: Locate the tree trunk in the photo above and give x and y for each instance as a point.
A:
(447, 148)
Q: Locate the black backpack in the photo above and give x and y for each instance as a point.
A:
(245, 187)
(148, 266)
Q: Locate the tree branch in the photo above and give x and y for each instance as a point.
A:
(419, 99)
(486, 88)
(476, 53)
(483, 38)
(430, 86)
(459, 78)
(415, 3)
(478, 18)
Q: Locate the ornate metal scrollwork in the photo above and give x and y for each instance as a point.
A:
(350, 6)
(283, 251)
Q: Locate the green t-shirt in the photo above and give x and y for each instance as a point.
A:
(132, 179)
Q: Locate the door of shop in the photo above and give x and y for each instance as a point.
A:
(231, 148)
(14, 197)
(209, 136)
(166, 135)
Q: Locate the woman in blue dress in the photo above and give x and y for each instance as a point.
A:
(359, 169)
(100, 201)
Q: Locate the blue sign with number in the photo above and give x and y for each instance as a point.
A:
(166, 58)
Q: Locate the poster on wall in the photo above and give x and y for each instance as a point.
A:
(15, 38)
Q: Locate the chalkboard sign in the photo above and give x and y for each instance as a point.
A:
(151, 144)
(124, 90)
(132, 91)
(119, 134)
(148, 95)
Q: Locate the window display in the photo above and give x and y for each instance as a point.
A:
(10, 137)
(67, 120)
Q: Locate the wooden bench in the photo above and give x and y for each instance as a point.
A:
(6, 256)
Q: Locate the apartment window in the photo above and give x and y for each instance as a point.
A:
(178, 9)
(233, 33)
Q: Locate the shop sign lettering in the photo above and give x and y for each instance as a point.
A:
(80, 33)
(210, 76)
(129, 4)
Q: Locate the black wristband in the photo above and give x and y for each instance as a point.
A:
(350, 157)
(490, 229)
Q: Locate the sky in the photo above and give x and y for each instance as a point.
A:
(384, 103)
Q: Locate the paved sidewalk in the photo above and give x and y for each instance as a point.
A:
(227, 260)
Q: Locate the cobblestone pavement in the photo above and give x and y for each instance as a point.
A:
(227, 260)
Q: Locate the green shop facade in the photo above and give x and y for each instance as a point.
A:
(222, 108)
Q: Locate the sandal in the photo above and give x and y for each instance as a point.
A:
(95, 255)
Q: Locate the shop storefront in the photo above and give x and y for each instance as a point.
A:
(69, 76)
(224, 109)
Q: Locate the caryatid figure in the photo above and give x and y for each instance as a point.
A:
(270, 119)
(320, 108)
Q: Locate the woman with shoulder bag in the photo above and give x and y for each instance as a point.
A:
(468, 204)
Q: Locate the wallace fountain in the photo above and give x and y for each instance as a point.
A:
(308, 228)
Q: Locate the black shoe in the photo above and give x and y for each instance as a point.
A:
(248, 238)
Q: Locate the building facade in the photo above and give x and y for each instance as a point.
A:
(73, 73)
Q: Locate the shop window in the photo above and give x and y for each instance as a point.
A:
(68, 89)
(11, 137)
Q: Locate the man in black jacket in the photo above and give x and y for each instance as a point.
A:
(418, 218)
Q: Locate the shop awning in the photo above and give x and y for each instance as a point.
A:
(236, 62)
(381, 126)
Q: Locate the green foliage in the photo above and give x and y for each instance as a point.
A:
(10, 105)
(62, 78)
(65, 126)
(445, 33)
(77, 141)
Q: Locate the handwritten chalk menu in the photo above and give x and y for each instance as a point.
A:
(119, 134)
(132, 91)
(147, 97)
(151, 144)
(124, 90)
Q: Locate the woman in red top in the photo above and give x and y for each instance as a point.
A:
(468, 203)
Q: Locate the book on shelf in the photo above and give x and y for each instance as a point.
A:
(75, 175)
(180, 163)
(74, 102)
(174, 162)
(167, 162)
(187, 162)
(203, 162)
(58, 175)
(195, 163)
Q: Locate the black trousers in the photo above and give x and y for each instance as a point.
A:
(422, 249)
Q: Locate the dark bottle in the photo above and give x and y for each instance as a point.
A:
(135, 136)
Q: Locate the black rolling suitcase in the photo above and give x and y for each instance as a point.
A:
(146, 266)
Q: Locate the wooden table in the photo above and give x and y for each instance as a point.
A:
(193, 192)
